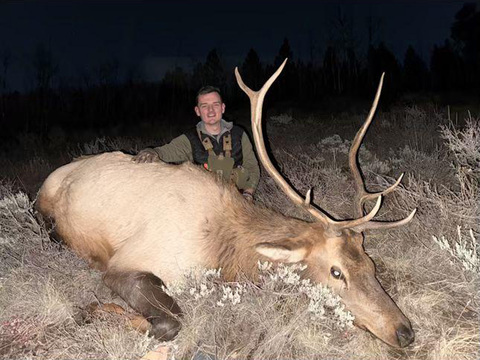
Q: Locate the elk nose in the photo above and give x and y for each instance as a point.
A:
(405, 335)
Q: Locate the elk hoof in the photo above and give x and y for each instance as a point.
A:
(165, 329)
(405, 336)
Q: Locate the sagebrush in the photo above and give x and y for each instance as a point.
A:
(429, 267)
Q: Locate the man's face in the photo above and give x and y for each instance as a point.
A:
(210, 108)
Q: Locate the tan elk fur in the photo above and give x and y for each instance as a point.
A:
(180, 213)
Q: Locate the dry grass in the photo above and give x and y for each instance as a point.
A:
(45, 289)
(276, 318)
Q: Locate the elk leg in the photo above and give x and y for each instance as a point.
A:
(144, 292)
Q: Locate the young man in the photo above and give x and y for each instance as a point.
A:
(217, 145)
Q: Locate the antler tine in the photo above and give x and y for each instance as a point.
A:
(353, 224)
(256, 101)
(368, 195)
(361, 193)
(308, 197)
(373, 225)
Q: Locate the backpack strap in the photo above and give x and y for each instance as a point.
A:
(227, 145)
(207, 143)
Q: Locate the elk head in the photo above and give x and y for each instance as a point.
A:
(333, 249)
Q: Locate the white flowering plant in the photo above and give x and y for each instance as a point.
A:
(280, 306)
(323, 304)
(207, 284)
(463, 251)
(274, 279)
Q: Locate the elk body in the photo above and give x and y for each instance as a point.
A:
(147, 224)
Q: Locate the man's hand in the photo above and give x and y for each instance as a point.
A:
(146, 156)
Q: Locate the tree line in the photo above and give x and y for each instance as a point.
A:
(342, 71)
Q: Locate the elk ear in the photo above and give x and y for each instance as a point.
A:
(286, 251)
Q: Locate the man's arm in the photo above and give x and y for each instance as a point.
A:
(176, 151)
(250, 164)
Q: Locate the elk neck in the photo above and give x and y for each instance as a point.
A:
(240, 226)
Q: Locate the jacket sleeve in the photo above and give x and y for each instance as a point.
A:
(176, 151)
(250, 162)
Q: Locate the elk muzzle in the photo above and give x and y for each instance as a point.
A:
(376, 312)
(405, 335)
(398, 336)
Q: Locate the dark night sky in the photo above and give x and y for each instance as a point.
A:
(152, 36)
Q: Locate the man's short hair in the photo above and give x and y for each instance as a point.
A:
(207, 90)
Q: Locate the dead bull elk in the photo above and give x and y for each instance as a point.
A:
(146, 224)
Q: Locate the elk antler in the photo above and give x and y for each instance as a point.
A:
(256, 101)
(362, 194)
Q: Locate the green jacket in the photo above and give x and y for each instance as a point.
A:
(180, 150)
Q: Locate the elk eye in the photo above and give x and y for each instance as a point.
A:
(336, 273)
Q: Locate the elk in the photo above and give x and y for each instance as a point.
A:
(145, 225)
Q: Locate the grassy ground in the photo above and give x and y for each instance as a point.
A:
(429, 267)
